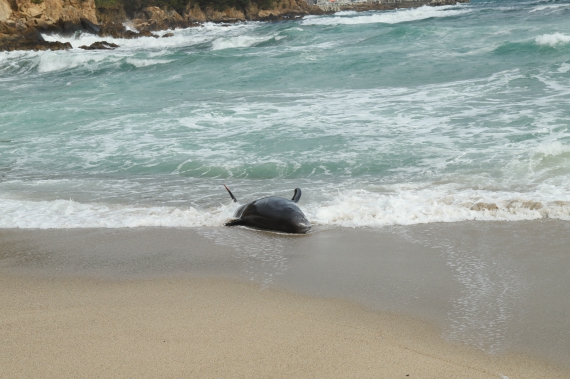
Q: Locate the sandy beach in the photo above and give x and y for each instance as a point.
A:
(231, 303)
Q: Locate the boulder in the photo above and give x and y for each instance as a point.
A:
(118, 30)
(100, 45)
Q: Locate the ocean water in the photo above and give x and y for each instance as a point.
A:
(434, 114)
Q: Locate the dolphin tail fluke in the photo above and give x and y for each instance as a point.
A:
(231, 194)
(296, 195)
(237, 221)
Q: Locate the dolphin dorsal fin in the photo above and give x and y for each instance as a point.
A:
(296, 195)
(231, 194)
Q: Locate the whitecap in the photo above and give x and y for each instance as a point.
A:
(238, 41)
(552, 39)
(387, 17)
(541, 8)
(61, 60)
(146, 62)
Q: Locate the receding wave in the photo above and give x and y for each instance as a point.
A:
(391, 17)
(61, 214)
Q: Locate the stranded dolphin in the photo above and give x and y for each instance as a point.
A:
(274, 213)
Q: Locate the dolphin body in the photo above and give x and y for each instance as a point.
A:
(273, 213)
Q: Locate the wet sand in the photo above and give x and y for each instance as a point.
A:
(468, 300)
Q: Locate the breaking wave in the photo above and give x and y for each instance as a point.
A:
(349, 208)
(552, 39)
(391, 17)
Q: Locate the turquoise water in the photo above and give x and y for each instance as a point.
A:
(400, 117)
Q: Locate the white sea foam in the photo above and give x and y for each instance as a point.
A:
(153, 48)
(146, 62)
(552, 39)
(541, 8)
(60, 214)
(238, 41)
(407, 207)
(349, 208)
(564, 68)
(49, 61)
(390, 17)
(181, 38)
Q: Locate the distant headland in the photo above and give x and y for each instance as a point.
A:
(22, 22)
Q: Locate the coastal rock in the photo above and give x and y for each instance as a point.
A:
(111, 11)
(116, 30)
(100, 45)
(229, 15)
(282, 10)
(194, 14)
(155, 18)
(55, 15)
(5, 10)
(90, 26)
(30, 39)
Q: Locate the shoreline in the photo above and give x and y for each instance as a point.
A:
(22, 31)
(396, 273)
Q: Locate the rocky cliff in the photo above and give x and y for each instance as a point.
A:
(157, 18)
(21, 22)
(49, 15)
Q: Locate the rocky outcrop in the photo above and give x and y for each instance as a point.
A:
(21, 22)
(194, 13)
(118, 30)
(28, 39)
(114, 12)
(100, 45)
(53, 15)
(154, 18)
(5, 10)
(229, 15)
(283, 10)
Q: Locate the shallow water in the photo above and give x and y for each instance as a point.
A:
(400, 117)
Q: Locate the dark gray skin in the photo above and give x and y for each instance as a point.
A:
(273, 213)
